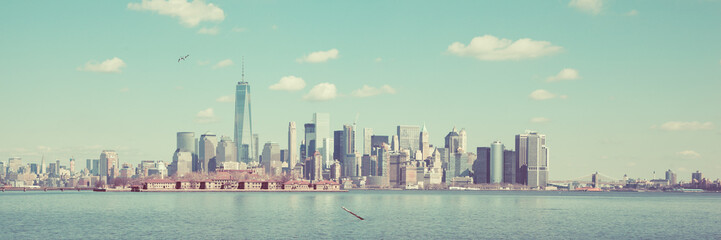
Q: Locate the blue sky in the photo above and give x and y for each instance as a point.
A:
(638, 93)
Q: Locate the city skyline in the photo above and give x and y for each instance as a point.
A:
(638, 108)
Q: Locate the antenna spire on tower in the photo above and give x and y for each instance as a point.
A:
(242, 69)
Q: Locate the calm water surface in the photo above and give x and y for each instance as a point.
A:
(388, 214)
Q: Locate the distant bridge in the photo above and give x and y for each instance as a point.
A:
(588, 179)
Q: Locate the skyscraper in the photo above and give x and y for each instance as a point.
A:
(522, 159)
(671, 177)
(408, 137)
(424, 143)
(348, 140)
(323, 138)
(72, 166)
(463, 144)
(182, 163)
(225, 152)
(482, 165)
(109, 165)
(696, 177)
(509, 166)
(395, 144)
(310, 139)
(322, 126)
(244, 123)
(271, 158)
(367, 134)
(377, 141)
(206, 151)
(533, 154)
(338, 153)
(453, 141)
(186, 143)
(496, 163)
(315, 168)
(292, 145)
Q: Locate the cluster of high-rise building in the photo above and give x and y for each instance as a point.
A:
(404, 159)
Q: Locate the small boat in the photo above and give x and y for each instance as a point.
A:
(99, 190)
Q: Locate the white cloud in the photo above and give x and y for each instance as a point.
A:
(322, 92)
(239, 29)
(490, 48)
(225, 99)
(112, 65)
(589, 6)
(124, 89)
(368, 91)
(274, 27)
(208, 31)
(206, 116)
(541, 94)
(686, 126)
(564, 97)
(378, 59)
(565, 74)
(689, 154)
(222, 64)
(540, 120)
(319, 56)
(203, 63)
(633, 12)
(289, 83)
(189, 13)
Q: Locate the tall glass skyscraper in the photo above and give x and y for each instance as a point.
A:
(243, 123)
(496, 163)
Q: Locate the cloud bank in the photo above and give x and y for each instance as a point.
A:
(190, 14)
(491, 48)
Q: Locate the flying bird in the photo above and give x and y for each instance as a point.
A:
(183, 58)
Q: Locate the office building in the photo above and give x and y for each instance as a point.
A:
(378, 141)
(206, 151)
(482, 165)
(337, 146)
(509, 166)
(225, 152)
(533, 153)
(243, 138)
(463, 141)
(271, 159)
(182, 163)
(453, 141)
(425, 145)
(310, 139)
(292, 145)
(496, 163)
(109, 165)
(367, 142)
(409, 137)
(671, 177)
(696, 177)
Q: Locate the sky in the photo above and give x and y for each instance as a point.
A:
(618, 87)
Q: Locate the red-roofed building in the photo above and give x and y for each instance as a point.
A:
(326, 185)
(271, 185)
(250, 184)
(159, 184)
(297, 185)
